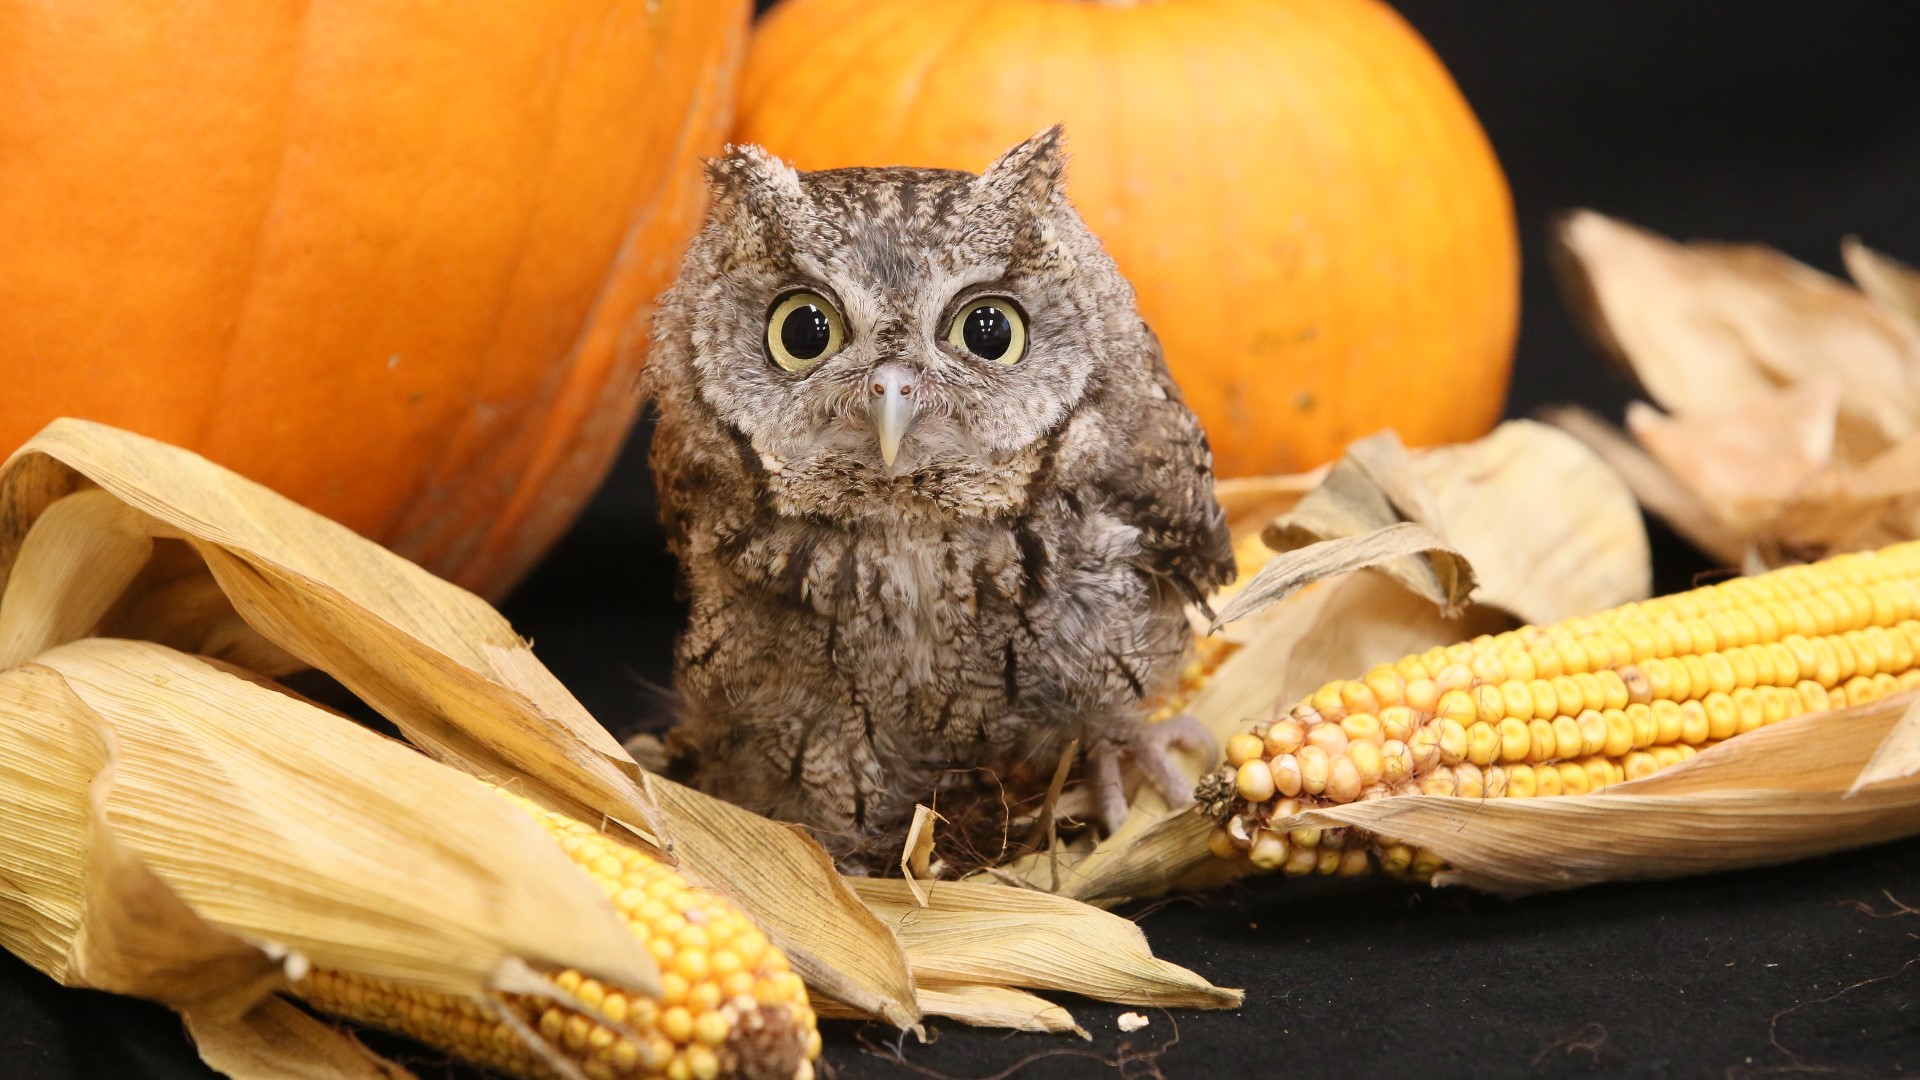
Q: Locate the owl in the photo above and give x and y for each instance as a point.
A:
(937, 503)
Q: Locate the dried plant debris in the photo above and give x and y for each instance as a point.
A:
(435, 660)
(152, 775)
(1785, 415)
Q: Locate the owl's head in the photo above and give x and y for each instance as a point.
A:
(880, 327)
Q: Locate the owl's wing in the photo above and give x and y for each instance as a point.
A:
(1164, 488)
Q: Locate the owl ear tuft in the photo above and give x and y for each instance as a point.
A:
(1034, 171)
(749, 175)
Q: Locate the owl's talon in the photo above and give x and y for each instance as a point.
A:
(1151, 752)
(1109, 787)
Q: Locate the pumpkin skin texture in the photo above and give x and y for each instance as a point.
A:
(389, 257)
(1310, 213)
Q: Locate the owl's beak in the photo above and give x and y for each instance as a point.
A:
(892, 407)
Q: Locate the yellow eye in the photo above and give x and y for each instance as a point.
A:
(803, 330)
(992, 328)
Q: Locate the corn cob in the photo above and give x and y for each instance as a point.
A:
(729, 1008)
(1569, 708)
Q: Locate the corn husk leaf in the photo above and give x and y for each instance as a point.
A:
(1001, 1007)
(1710, 327)
(1652, 484)
(981, 1006)
(1558, 530)
(1550, 528)
(184, 834)
(1774, 794)
(1789, 401)
(275, 1040)
(1370, 511)
(977, 934)
(1891, 283)
(451, 674)
(1898, 755)
(917, 852)
(291, 828)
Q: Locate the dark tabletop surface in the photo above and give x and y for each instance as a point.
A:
(1788, 123)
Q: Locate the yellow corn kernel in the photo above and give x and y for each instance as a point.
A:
(1483, 743)
(1521, 782)
(1284, 737)
(1593, 731)
(1254, 781)
(1546, 780)
(1619, 733)
(1422, 694)
(1573, 779)
(1362, 727)
(1397, 722)
(1244, 747)
(1723, 720)
(1313, 769)
(1368, 760)
(1359, 697)
(1331, 738)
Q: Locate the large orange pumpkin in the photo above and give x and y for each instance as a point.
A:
(389, 257)
(1312, 216)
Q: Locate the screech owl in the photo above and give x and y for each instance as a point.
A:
(937, 502)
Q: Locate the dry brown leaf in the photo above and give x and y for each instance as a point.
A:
(1370, 620)
(1550, 529)
(999, 1006)
(277, 1041)
(452, 675)
(1712, 327)
(1891, 283)
(1250, 502)
(1792, 399)
(982, 1006)
(1854, 507)
(1370, 511)
(917, 851)
(1536, 518)
(1386, 549)
(1653, 484)
(1746, 463)
(174, 601)
(971, 933)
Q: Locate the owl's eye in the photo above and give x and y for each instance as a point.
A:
(992, 328)
(803, 330)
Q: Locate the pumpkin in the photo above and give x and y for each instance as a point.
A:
(1310, 213)
(391, 259)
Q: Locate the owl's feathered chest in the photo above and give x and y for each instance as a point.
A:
(965, 628)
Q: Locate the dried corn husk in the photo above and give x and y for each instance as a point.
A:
(104, 531)
(439, 663)
(977, 934)
(1788, 419)
(182, 834)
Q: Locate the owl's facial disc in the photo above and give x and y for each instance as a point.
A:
(892, 407)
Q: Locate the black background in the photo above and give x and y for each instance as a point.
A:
(1786, 123)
